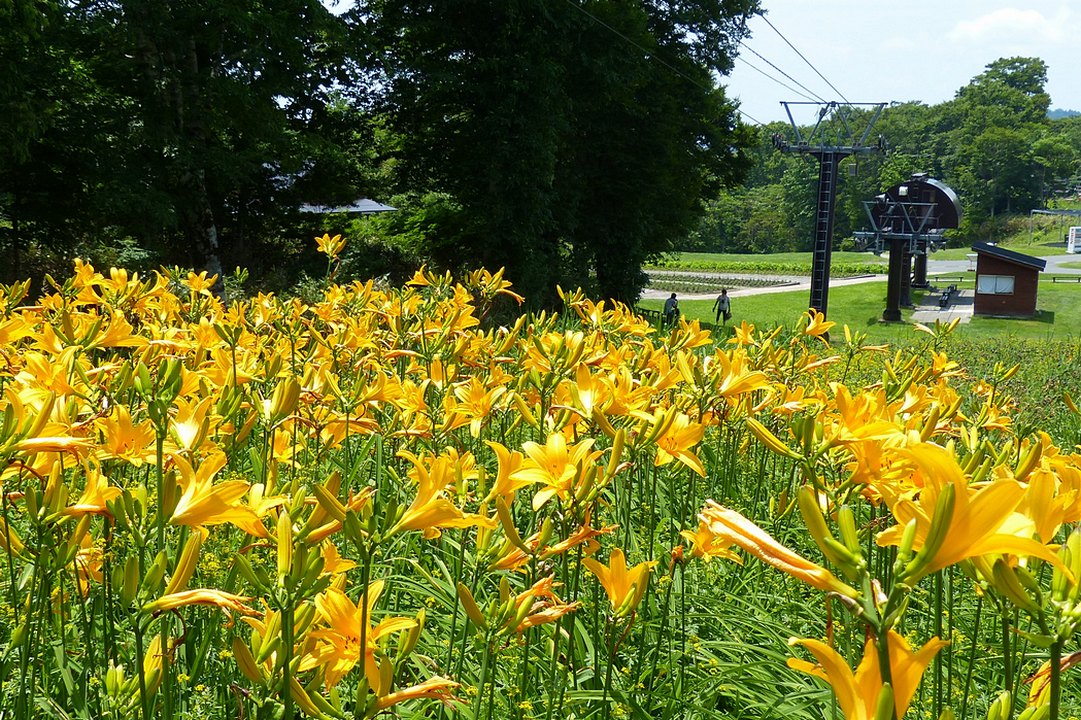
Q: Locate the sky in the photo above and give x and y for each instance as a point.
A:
(875, 51)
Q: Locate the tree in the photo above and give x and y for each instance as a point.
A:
(993, 123)
(578, 139)
(174, 122)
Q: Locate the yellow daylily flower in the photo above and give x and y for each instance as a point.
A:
(976, 522)
(624, 587)
(226, 601)
(736, 376)
(744, 334)
(333, 562)
(200, 284)
(508, 481)
(857, 693)
(557, 467)
(437, 688)
(707, 545)
(330, 246)
(96, 494)
(204, 503)
(431, 510)
(817, 325)
(191, 425)
(732, 527)
(126, 440)
(675, 443)
(341, 637)
(475, 402)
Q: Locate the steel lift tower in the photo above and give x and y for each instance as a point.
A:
(831, 140)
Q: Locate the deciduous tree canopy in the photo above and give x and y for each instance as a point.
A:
(567, 140)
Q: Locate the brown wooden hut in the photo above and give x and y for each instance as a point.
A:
(1006, 281)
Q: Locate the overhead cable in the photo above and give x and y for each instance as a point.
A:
(779, 82)
(809, 64)
(813, 94)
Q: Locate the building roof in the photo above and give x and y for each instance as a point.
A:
(363, 206)
(1009, 255)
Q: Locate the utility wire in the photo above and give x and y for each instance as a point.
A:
(649, 54)
(815, 95)
(839, 93)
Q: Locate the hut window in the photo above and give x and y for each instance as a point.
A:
(994, 285)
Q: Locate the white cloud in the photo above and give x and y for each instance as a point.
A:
(1031, 26)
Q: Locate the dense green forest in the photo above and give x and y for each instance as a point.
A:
(568, 141)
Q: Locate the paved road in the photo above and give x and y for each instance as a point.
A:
(934, 267)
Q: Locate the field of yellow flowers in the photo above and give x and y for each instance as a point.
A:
(384, 503)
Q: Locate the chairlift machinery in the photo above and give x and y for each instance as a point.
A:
(908, 220)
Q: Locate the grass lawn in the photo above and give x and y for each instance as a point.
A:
(860, 307)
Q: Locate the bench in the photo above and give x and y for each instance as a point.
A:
(947, 295)
(649, 313)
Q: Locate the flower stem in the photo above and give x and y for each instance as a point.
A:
(1056, 678)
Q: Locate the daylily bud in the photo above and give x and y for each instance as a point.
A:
(545, 532)
(846, 522)
(246, 661)
(1028, 461)
(816, 524)
(884, 708)
(930, 423)
(1007, 583)
(130, 587)
(470, 606)
(303, 618)
(142, 381)
(509, 529)
(408, 640)
(152, 580)
(524, 410)
(285, 544)
(770, 440)
(114, 679)
(302, 699)
(284, 400)
(271, 639)
(1002, 707)
(329, 503)
(1035, 712)
(616, 454)
(904, 551)
(936, 535)
(185, 567)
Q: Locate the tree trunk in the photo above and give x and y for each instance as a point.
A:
(200, 229)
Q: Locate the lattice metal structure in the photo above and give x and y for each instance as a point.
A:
(908, 220)
(829, 151)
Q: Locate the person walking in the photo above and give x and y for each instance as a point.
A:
(671, 309)
(723, 306)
